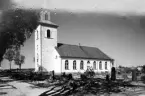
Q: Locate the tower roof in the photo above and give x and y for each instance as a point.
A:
(45, 18)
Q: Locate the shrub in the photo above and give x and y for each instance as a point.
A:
(83, 77)
(89, 73)
(69, 76)
(143, 78)
(107, 77)
(113, 74)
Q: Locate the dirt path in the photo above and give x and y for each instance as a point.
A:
(9, 87)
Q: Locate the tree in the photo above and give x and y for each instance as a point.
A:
(16, 26)
(9, 55)
(143, 69)
(19, 59)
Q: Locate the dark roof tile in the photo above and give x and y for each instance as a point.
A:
(75, 51)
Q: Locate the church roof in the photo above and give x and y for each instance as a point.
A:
(48, 23)
(83, 52)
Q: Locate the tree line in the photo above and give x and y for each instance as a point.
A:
(16, 26)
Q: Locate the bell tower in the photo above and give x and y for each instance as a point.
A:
(45, 41)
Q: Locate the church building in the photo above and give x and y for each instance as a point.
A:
(51, 55)
(47, 54)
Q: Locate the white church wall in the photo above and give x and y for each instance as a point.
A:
(48, 47)
(109, 64)
(37, 48)
(57, 62)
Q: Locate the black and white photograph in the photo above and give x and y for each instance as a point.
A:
(72, 47)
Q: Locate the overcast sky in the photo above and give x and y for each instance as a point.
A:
(117, 27)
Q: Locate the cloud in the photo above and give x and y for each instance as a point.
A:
(109, 6)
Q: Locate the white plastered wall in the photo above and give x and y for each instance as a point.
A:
(109, 65)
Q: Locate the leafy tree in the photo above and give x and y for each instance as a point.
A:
(19, 59)
(16, 26)
(9, 55)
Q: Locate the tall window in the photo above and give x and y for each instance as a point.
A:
(81, 65)
(100, 65)
(46, 16)
(88, 66)
(106, 65)
(48, 33)
(74, 64)
(66, 65)
(94, 65)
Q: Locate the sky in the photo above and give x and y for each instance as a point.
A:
(117, 27)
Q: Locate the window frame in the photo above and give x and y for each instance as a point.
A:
(106, 68)
(66, 65)
(100, 65)
(82, 65)
(74, 65)
(88, 63)
(47, 33)
(46, 16)
(94, 65)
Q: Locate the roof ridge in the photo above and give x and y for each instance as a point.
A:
(80, 45)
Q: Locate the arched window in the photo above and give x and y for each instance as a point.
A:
(94, 65)
(88, 66)
(66, 65)
(88, 62)
(81, 65)
(46, 16)
(106, 65)
(48, 33)
(100, 65)
(74, 64)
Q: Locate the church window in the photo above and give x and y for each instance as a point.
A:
(94, 65)
(88, 66)
(88, 62)
(81, 65)
(48, 33)
(66, 65)
(100, 65)
(106, 65)
(74, 64)
(46, 16)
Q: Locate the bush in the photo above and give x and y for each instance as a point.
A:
(143, 78)
(69, 77)
(83, 77)
(89, 73)
(33, 76)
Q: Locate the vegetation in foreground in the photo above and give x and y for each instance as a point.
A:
(86, 84)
